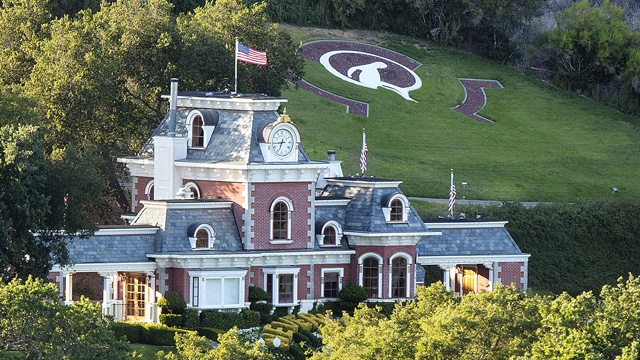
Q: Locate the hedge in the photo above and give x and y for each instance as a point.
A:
(171, 320)
(574, 247)
(150, 334)
(191, 319)
(226, 320)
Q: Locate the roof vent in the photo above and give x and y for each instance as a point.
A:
(184, 193)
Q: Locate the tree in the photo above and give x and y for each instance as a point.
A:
(191, 346)
(22, 26)
(33, 319)
(34, 183)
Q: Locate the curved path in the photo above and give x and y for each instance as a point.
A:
(475, 98)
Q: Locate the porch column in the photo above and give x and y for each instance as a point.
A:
(446, 278)
(68, 288)
(151, 296)
(107, 291)
(489, 266)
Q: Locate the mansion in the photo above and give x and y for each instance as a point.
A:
(225, 198)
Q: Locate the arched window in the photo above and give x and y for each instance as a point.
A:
(397, 210)
(195, 190)
(201, 236)
(202, 239)
(399, 277)
(148, 190)
(197, 132)
(370, 276)
(281, 210)
(329, 235)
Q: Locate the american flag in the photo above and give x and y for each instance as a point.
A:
(452, 195)
(251, 56)
(363, 154)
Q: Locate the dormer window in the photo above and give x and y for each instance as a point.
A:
(331, 234)
(197, 132)
(201, 236)
(200, 126)
(281, 210)
(194, 189)
(148, 190)
(396, 209)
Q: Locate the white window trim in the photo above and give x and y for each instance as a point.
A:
(361, 268)
(147, 188)
(289, 204)
(211, 237)
(408, 272)
(202, 276)
(208, 130)
(340, 272)
(274, 290)
(338, 229)
(405, 209)
(191, 185)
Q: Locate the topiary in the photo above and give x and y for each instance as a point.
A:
(191, 320)
(172, 302)
(350, 296)
(258, 294)
(171, 320)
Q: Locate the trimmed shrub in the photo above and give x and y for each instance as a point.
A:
(131, 331)
(265, 311)
(226, 320)
(161, 335)
(386, 308)
(296, 352)
(280, 312)
(258, 294)
(284, 325)
(210, 333)
(350, 296)
(191, 319)
(172, 302)
(171, 320)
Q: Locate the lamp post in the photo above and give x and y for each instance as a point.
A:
(464, 188)
(276, 345)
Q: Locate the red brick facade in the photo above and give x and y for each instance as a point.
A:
(178, 280)
(140, 186)
(232, 191)
(386, 252)
(511, 273)
(263, 195)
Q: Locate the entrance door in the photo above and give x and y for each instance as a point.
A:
(468, 280)
(136, 290)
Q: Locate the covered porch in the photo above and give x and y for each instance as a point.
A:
(126, 291)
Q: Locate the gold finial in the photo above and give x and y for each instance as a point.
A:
(284, 118)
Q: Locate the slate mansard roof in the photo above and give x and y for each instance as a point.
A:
(108, 248)
(364, 212)
(472, 239)
(234, 139)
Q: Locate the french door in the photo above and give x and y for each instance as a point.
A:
(136, 293)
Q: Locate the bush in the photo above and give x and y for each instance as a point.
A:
(161, 335)
(210, 333)
(265, 311)
(350, 296)
(296, 352)
(280, 312)
(131, 331)
(226, 320)
(258, 294)
(386, 307)
(172, 302)
(191, 319)
(171, 320)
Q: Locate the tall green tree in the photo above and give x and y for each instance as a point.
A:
(34, 320)
(41, 193)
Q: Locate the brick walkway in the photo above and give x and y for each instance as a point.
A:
(475, 98)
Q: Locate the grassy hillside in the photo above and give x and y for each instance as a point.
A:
(545, 144)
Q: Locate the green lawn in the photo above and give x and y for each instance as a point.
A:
(545, 144)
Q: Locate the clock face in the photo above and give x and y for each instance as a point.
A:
(282, 142)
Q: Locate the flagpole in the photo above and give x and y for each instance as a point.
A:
(235, 81)
(450, 194)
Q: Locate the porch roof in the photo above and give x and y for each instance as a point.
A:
(111, 249)
(469, 240)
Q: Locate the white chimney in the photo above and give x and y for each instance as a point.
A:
(167, 149)
(334, 169)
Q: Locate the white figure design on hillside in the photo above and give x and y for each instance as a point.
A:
(369, 76)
